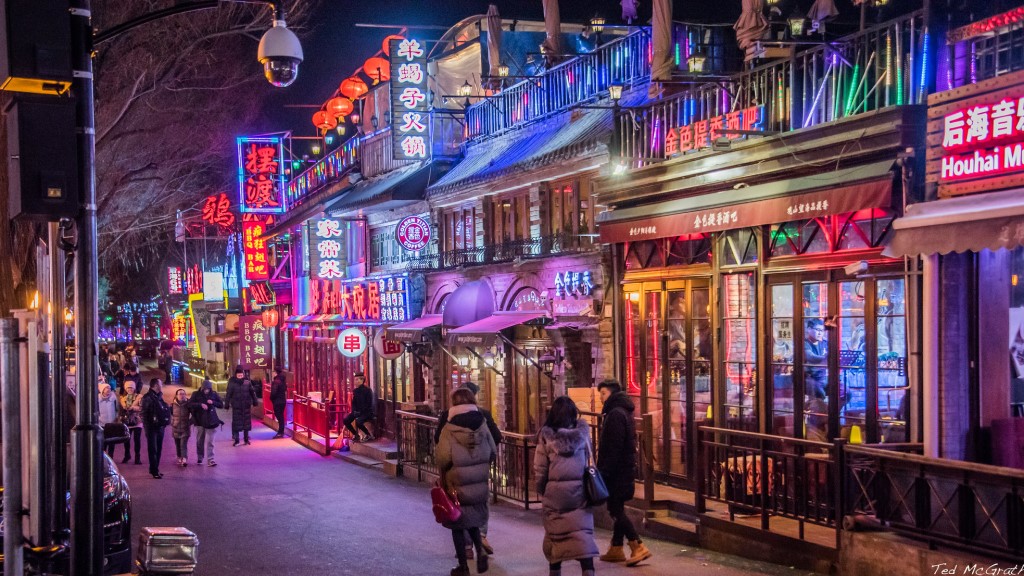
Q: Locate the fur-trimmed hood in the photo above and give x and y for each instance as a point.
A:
(566, 441)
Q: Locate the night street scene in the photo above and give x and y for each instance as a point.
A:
(516, 287)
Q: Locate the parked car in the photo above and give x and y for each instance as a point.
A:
(117, 524)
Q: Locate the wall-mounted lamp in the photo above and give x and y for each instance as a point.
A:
(695, 63)
(503, 71)
(797, 22)
(615, 92)
(597, 24)
(464, 361)
(489, 359)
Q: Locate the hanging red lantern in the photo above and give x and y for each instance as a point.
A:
(324, 120)
(340, 106)
(270, 317)
(387, 42)
(353, 88)
(379, 69)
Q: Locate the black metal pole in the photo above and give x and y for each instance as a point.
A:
(10, 388)
(86, 479)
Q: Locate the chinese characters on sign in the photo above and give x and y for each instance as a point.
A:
(983, 140)
(262, 294)
(175, 283)
(255, 342)
(327, 255)
(411, 109)
(254, 248)
(371, 301)
(571, 283)
(413, 233)
(702, 133)
(261, 181)
(179, 328)
(352, 342)
(386, 349)
(194, 280)
(217, 211)
(715, 218)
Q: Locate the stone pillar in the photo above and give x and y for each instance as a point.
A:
(956, 277)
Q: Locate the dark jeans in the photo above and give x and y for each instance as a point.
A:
(134, 436)
(623, 525)
(155, 447)
(359, 419)
(585, 564)
(279, 416)
(181, 446)
(459, 538)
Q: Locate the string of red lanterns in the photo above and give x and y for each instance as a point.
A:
(354, 88)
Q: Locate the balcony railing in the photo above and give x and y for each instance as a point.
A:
(878, 67)
(503, 252)
(326, 171)
(985, 49)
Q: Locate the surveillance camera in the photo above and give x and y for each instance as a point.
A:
(280, 53)
(856, 268)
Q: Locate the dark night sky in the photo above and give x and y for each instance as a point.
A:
(335, 48)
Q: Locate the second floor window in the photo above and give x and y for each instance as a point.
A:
(459, 229)
(510, 217)
(571, 210)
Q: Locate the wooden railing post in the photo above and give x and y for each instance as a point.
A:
(526, 473)
(699, 474)
(648, 436)
(765, 480)
(839, 485)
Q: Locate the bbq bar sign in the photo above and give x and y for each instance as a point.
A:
(410, 122)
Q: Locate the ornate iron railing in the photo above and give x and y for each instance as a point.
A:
(503, 252)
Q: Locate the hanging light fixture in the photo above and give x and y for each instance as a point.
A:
(547, 362)
(328, 138)
(881, 3)
(340, 129)
(323, 120)
(695, 63)
(315, 149)
(466, 89)
(378, 69)
(340, 106)
(797, 22)
(464, 361)
(353, 88)
(489, 358)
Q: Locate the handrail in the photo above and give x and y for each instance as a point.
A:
(952, 465)
(759, 436)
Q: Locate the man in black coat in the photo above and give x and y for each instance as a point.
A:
(156, 415)
(363, 410)
(204, 403)
(616, 460)
(240, 398)
(279, 399)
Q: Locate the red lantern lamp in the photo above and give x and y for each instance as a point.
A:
(340, 106)
(379, 69)
(387, 42)
(270, 317)
(324, 120)
(353, 88)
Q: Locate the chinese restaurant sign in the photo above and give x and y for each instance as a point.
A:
(413, 233)
(385, 348)
(254, 247)
(255, 342)
(574, 283)
(194, 280)
(217, 211)
(326, 241)
(701, 134)
(179, 328)
(410, 123)
(175, 282)
(371, 301)
(261, 181)
(352, 342)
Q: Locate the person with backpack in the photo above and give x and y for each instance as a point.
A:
(181, 425)
(131, 416)
(241, 397)
(204, 403)
(156, 415)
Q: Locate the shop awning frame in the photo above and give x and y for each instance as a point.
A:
(485, 331)
(223, 337)
(412, 331)
(990, 221)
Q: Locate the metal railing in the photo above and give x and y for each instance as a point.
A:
(377, 156)
(772, 476)
(325, 171)
(872, 69)
(415, 439)
(985, 49)
(503, 252)
(973, 506)
(317, 421)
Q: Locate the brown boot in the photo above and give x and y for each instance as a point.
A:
(637, 553)
(614, 554)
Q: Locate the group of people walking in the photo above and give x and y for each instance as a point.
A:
(467, 441)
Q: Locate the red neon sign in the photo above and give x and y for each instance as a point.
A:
(261, 175)
(254, 247)
(976, 136)
(702, 133)
(217, 211)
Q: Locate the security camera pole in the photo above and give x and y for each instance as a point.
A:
(86, 436)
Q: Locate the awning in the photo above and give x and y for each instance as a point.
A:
(298, 321)
(970, 223)
(222, 337)
(484, 332)
(469, 303)
(833, 192)
(391, 190)
(412, 331)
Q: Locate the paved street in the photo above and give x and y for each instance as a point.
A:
(277, 508)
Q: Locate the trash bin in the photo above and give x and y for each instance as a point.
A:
(167, 550)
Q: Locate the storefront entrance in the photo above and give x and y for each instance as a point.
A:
(669, 364)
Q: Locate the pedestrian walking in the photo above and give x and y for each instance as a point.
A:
(181, 425)
(559, 462)
(156, 415)
(616, 460)
(131, 416)
(279, 399)
(363, 410)
(131, 374)
(204, 403)
(496, 435)
(463, 457)
(240, 398)
(114, 432)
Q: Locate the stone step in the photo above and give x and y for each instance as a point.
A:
(359, 460)
(673, 529)
(391, 467)
(379, 450)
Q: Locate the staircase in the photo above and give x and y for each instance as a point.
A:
(381, 454)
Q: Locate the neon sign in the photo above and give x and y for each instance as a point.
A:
(254, 247)
(255, 342)
(410, 124)
(702, 133)
(371, 301)
(217, 211)
(571, 283)
(971, 135)
(327, 248)
(261, 181)
(175, 282)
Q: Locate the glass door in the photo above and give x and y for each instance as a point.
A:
(739, 350)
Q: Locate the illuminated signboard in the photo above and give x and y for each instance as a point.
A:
(413, 233)
(175, 281)
(194, 280)
(254, 247)
(574, 283)
(217, 211)
(352, 342)
(254, 339)
(326, 241)
(410, 123)
(179, 328)
(983, 140)
(262, 294)
(261, 182)
(370, 301)
(702, 134)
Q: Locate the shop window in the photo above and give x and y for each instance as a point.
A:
(634, 327)
(385, 250)
(893, 386)
(853, 381)
(739, 317)
(570, 210)
(860, 230)
(801, 237)
(738, 247)
(689, 250)
(864, 229)
(459, 229)
(644, 254)
(510, 219)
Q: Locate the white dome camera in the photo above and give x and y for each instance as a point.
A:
(280, 53)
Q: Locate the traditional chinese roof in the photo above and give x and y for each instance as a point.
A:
(398, 187)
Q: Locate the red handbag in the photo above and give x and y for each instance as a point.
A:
(446, 505)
